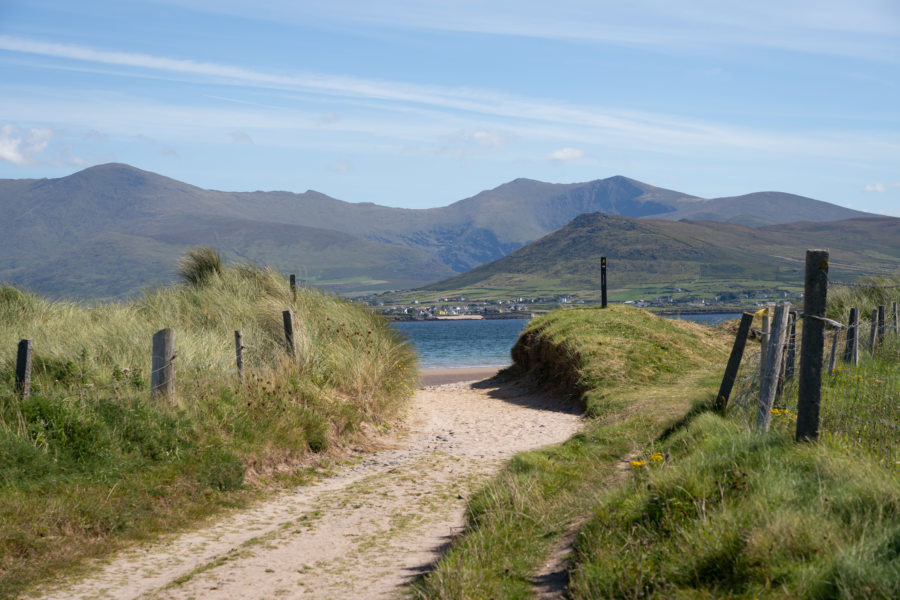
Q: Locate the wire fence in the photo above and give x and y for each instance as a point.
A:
(860, 391)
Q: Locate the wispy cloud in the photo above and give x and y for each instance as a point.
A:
(22, 146)
(240, 137)
(880, 187)
(564, 154)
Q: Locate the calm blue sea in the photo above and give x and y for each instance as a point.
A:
(483, 343)
(458, 344)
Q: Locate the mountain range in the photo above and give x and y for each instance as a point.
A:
(109, 230)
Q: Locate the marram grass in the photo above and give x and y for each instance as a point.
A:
(90, 459)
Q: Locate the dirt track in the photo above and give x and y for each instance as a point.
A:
(363, 533)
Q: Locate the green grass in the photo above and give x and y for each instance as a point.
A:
(669, 500)
(90, 461)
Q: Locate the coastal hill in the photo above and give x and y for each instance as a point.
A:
(643, 252)
(111, 229)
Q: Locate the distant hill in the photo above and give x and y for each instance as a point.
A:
(108, 230)
(642, 252)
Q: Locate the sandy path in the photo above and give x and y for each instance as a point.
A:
(363, 533)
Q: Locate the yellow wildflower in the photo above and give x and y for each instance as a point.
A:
(656, 457)
(637, 463)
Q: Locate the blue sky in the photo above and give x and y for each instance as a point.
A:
(419, 103)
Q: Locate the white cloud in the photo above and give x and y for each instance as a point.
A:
(489, 139)
(21, 146)
(875, 187)
(239, 137)
(564, 154)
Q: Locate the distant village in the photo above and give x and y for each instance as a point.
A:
(460, 307)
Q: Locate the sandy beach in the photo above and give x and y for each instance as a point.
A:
(429, 377)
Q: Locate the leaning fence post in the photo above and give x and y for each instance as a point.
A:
(851, 351)
(23, 369)
(833, 357)
(881, 324)
(764, 336)
(791, 358)
(289, 332)
(812, 346)
(162, 374)
(239, 352)
(734, 362)
(772, 367)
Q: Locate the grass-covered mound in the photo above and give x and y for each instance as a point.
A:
(717, 511)
(598, 353)
(91, 459)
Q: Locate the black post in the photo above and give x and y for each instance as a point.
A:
(602, 282)
(293, 286)
(881, 324)
(812, 346)
(851, 350)
(289, 331)
(734, 362)
(23, 369)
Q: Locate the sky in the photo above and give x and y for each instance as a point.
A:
(419, 103)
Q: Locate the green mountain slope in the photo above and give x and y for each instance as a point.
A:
(644, 252)
(110, 229)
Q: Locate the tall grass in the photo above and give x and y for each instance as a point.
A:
(90, 459)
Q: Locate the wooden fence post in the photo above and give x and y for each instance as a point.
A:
(772, 369)
(881, 324)
(791, 358)
(896, 323)
(239, 352)
(602, 282)
(734, 363)
(851, 350)
(812, 346)
(873, 331)
(765, 334)
(293, 286)
(162, 374)
(289, 332)
(833, 357)
(23, 369)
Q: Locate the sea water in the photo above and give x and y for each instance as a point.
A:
(451, 344)
(448, 344)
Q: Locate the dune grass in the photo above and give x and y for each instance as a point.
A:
(90, 460)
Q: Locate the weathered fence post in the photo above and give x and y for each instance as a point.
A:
(833, 357)
(812, 345)
(293, 286)
(162, 373)
(851, 351)
(873, 331)
(239, 352)
(896, 323)
(23, 369)
(881, 324)
(765, 334)
(602, 282)
(289, 332)
(734, 362)
(772, 369)
(791, 358)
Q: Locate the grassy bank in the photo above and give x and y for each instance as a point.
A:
(664, 499)
(90, 460)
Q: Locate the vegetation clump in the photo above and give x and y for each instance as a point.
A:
(89, 458)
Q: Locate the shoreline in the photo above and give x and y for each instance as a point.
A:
(429, 377)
